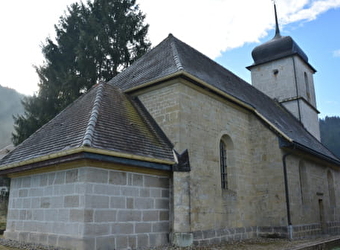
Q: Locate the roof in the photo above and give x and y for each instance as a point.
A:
(276, 48)
(6, 150)
(173, 57)
(104, 118)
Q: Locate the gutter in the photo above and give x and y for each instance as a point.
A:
(105, 154)
(285, 176)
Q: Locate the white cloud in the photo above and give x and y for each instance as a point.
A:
(214, 26)
(336, 53)
(211, 26)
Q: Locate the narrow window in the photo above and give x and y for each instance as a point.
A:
(303, 182)
(331, 190)
(223, 165)
(307, 86)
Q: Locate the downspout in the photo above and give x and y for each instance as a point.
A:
(290, 228)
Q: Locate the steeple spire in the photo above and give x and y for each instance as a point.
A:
(277, 30)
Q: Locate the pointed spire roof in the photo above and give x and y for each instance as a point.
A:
(278, 47)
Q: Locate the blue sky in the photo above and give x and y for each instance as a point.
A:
(224, 30)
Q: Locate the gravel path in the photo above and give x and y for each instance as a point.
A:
(253, 244)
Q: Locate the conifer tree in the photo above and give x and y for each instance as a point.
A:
(93, 42)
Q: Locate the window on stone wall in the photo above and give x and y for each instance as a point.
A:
(227, 160)
(303, 182)
(331, 190)
(223, 165)
(307, 86)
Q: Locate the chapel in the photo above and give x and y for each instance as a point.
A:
(176, 149)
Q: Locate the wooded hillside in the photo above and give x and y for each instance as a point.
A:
(330, 133)
(10, 104)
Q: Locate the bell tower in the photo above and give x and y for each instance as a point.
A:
(282, 71)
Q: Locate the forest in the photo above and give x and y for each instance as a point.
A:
(330, 133)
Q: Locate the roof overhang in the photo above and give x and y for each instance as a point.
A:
(297, 146)
(86, 153)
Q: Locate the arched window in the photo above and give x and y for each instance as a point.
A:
(226, 161)
(223, 165)
(331, 190)
(303, 182)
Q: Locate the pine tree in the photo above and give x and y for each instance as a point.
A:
(93, 42)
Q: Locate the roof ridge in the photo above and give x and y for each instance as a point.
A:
(176, 55)
(88, 136)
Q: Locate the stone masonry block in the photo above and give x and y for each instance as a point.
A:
(122, 241)
(26, 182)
(160, 227)
(118, 178)
(106, 189)
(97, 201)
(129, 215)
(150, 215)
(105, 242)
(104, 215)
(67, 189)
(94, 175)
(117, 202)
(159, 239)
(36, 192)
(163, 215)
(144, 203)
(36, 202)
(72, 176)
(130, 191)
(162, 204)
(143, 228)
(130, 203)
(45, 202)
(137, 180)
(23, 192)
(142, 240)
(51, 214)
(71, 201)
(64, 215)
(80, 215)
(43, 180)
(152, 181)
(59, 178)
(122, 228)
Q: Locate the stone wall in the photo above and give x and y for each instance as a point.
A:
(90, 208)
(197, 120)
(254, 205)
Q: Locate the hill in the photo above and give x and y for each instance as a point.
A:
(330, 133)
(10, 104)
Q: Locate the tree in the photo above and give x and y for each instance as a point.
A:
(330, 133)
(93, 42)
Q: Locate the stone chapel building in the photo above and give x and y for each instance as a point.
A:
(177, 149)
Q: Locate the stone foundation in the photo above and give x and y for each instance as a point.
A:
(90, 208)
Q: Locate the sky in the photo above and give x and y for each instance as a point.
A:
(225, 30)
